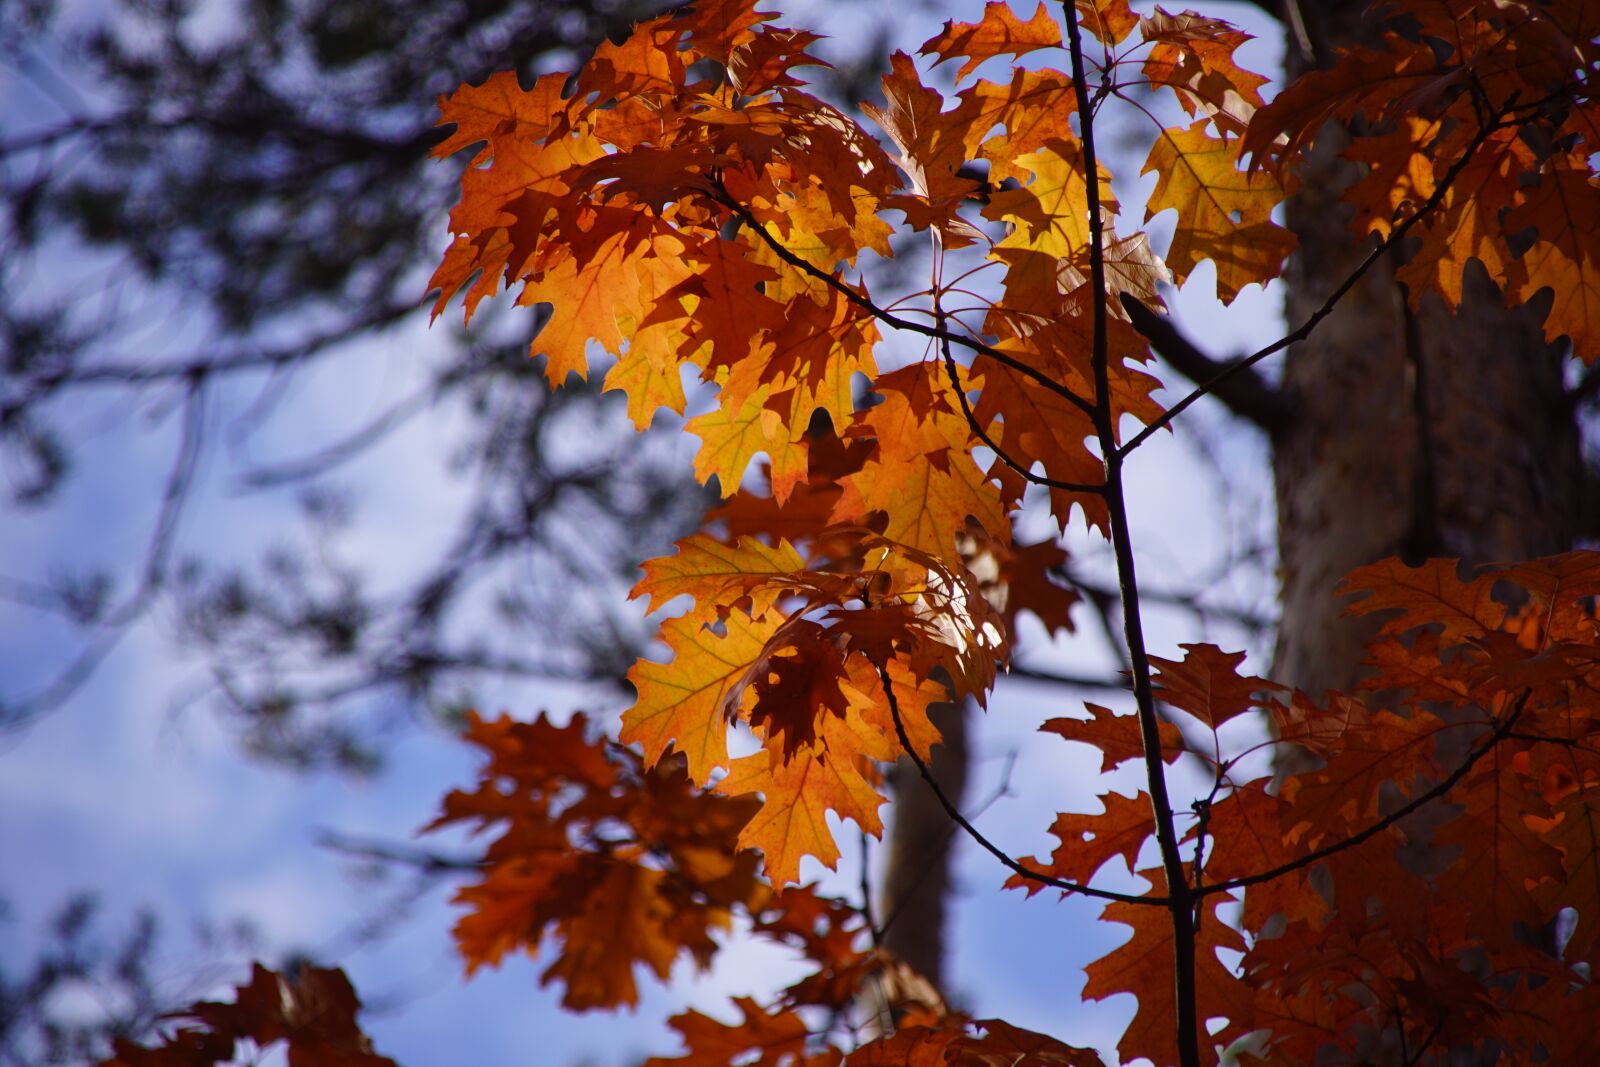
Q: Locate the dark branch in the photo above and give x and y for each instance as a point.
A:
(1246, 393)
(972, 831)
(1180, 899)
(1500, 733)
(424, 860)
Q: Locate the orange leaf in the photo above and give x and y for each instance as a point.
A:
(802, 788)
(1564, 209)
(1088, 842)
(1143, 967)
(998, 33)
(922, 475)
(1118, 737)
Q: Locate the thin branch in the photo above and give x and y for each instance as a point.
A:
(983, 435)
(1034, 674)
(114, 624)
(1002, 790)
(424, 860)
(1500, 733)
(937, 333)
(1245, 393)
(972, 831)
(1190, 602)
(1181, 899)
(1427, 1041)
(1304, 330)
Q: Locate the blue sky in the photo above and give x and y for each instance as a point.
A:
(135, 793)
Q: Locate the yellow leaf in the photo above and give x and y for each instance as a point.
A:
(1224, 214)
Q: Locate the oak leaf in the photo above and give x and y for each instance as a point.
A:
(1224, 213)
(998, 33)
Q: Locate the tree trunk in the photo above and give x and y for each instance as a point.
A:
(916, 879)
(1413, 435)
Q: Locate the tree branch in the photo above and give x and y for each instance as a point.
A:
(1180, 898)
(1500, 733)
(1246, 393)
(973, 832)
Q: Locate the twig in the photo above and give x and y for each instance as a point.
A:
(424, 860)
(899, 323)
(1034, 674)
(1245, 394)
(1003, 789)
(972, 831)
(1304, 330)
(1500, 733)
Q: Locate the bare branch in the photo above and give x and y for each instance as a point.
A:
(424, 860)
(972, 831)
(1246, 393)
(1180, 899)
(1501, 731)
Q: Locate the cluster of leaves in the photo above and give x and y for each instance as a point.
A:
(686, 205)
(312, 1012)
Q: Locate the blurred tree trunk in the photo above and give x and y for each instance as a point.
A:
(916, 878)
(1412, 435)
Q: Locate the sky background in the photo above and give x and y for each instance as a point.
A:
(135, 791)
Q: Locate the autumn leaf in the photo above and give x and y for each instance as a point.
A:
(953, 1044)
(666, 862)
(1564, 210)
(802, 788)
(1117, 737)
(774, 1037)
(688, 701)
(1193, 56)
(922, 474)
(1088, 842)
(1110, 21)
(999, 32)
(1206, 684)
(1143, 967)
(873, 566)
(313, 1011)
(1224, 213)
(715, 573)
